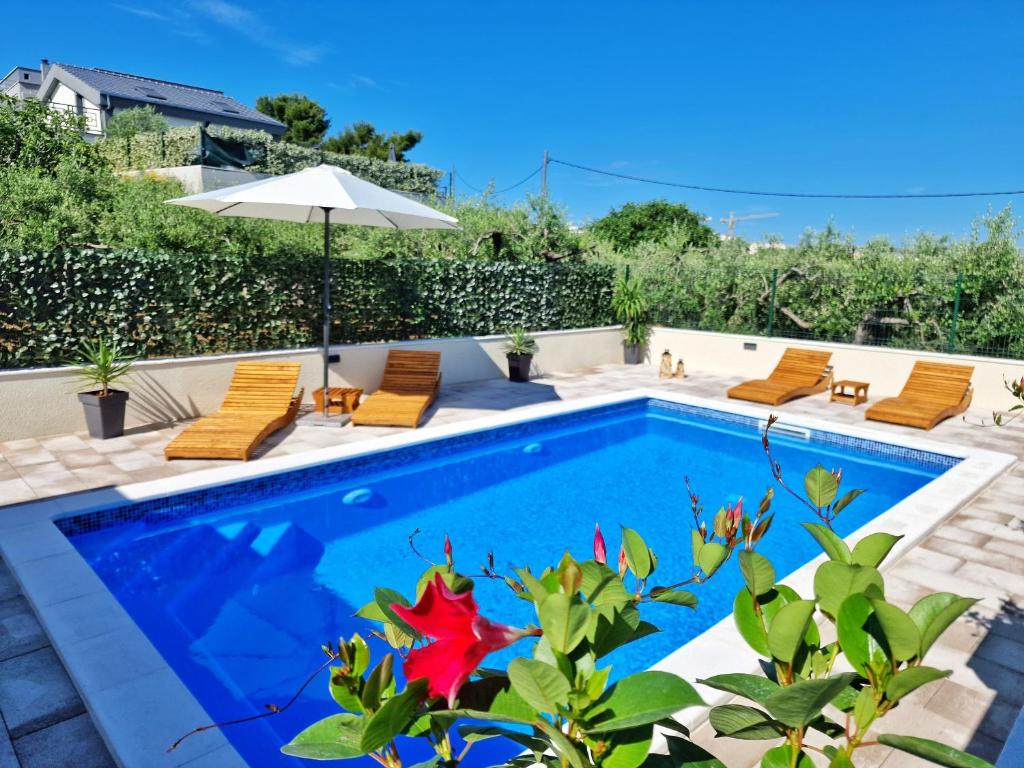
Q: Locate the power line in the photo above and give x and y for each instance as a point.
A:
(500, 191)
(759, 193)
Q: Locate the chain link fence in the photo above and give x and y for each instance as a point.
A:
(934, 313)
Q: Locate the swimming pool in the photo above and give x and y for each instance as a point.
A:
(238, 585)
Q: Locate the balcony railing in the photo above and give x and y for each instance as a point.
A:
(93, 121)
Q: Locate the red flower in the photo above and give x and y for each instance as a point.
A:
(600, 552)
(462, 638)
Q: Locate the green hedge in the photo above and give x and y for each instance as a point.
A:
(160, 304)
(180, 146)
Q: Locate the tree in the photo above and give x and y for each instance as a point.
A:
(35, 137)
(652, 222)
(53, 184)
(362, 139)
(306, 120)
(129, 122)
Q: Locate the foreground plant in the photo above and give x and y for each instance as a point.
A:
(102, 365)
(555, 701)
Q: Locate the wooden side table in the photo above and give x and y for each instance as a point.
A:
(840, 394)
(339, 399)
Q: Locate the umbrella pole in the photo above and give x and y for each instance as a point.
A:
(327, 307)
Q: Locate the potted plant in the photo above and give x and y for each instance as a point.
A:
(104, 407)
(519, 349)
(630, 309)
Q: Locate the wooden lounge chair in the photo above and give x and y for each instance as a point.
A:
(261, 399)
(409, 386)
(800, 372)
(934, 392)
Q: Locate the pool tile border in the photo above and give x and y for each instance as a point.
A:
(140, 711)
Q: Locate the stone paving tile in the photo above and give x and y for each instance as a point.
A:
(15, 491)
(20, 631)
(35, 692)
(63, 443)
(1008, 563)
(76, 739)
(83, 458)
(29, 457)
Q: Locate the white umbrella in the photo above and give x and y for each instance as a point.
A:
(326, 194)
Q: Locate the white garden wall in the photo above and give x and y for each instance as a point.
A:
(41, 401)
(37, 402)
(885, 369)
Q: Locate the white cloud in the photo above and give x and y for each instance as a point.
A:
(250, 26)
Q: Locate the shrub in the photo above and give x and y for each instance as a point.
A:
(155, 304)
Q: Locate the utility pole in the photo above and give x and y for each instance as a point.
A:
(544, 175)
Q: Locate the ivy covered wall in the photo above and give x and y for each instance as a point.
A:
(162, 304)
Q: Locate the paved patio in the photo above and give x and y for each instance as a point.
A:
(979, 551)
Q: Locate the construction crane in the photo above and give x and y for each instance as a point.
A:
(733, 218)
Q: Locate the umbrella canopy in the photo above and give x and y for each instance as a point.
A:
(302, 196)
(324, 194)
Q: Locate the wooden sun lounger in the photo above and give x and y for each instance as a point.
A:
(933, 393)
(800, 372)
(261, 399)
(409, 386)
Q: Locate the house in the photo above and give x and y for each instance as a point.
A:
(21, 82)
(97, 94)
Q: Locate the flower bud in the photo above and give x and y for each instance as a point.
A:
(600, 552)
(447, 550)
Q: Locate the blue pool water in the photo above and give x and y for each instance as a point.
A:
(238, 587)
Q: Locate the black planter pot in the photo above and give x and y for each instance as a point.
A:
(519, 367)
(632, 354)
(104, 416)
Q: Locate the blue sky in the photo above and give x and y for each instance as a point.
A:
(796, 96)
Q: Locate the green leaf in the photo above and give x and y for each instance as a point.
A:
(782, 757)
(628, 748)
(541, 686)
(800, 703)
(565, 620)
(933, 614)
(788, 629)
(384, 598)
(865, 710)
(834, 582)
(471, 733)
(602, 585)
(851, 627)
(377, 682)
(338, 685)
(933, 751)
(821, 486)
(509, 703)
(360, 656)
(739, 721)
(393, 717)
(334, 738)
(638, 555)
(711, 557)
(840, 760)
(753, 687)
(910, 679)
(639, 699)
(561, 744)
(845, 500)
(757, 572)
(613, 628)
(831, 544)
(902, 640)
(683, 753)
(872, 550)
(674, 597)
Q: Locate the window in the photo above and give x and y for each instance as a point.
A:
(225, 106)
(150, 92)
